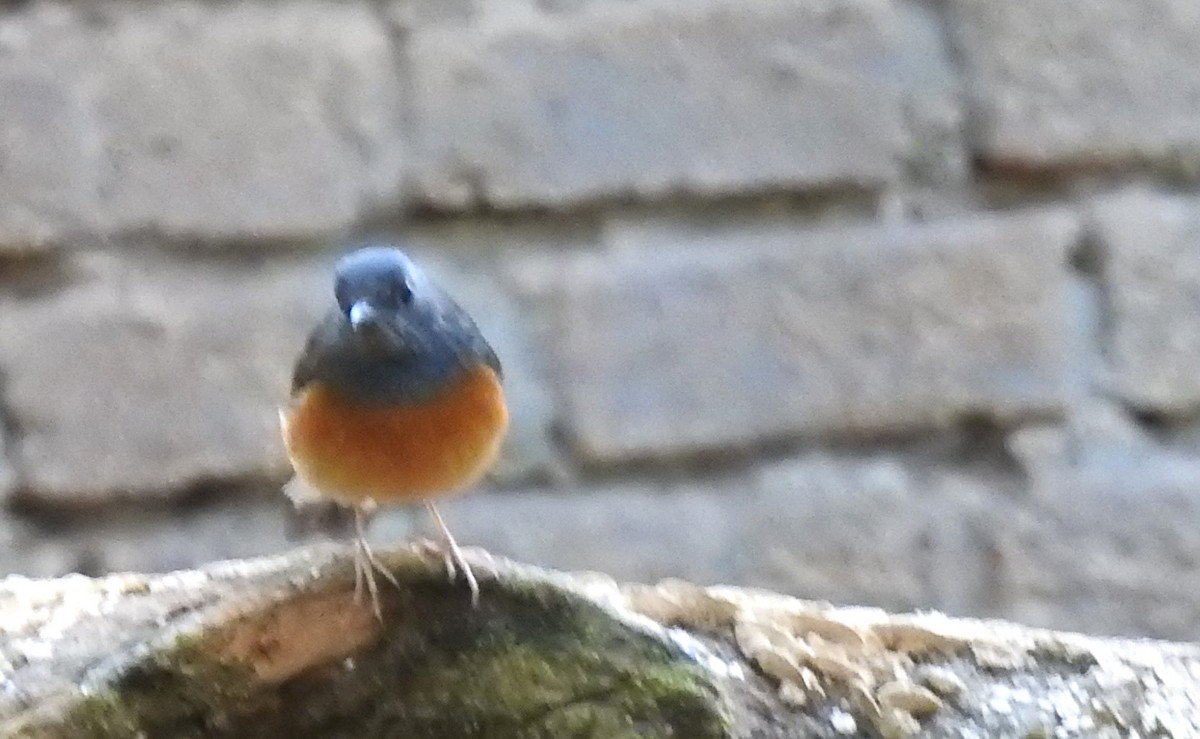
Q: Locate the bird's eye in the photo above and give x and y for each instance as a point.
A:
(400, 293)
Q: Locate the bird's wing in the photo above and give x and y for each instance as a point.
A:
(318, 344)
(462, 324)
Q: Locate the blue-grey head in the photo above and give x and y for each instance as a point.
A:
(393, 335)
(379, 289)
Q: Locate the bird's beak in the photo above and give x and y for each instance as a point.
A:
(361, 315)
(374, 328)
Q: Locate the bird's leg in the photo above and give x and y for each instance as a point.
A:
(362, 565)
(455, 562)
(366, 563)
(358, 572)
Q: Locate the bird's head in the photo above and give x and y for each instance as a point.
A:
(379, 292)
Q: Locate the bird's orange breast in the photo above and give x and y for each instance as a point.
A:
(397, 453)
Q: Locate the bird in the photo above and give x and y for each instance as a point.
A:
(396, 399)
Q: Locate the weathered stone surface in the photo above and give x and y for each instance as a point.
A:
(1097, 438)
(150, 375)
(410, 14)
(8, 472)
(249, 119)
(1152, 286)
(736, 337)
(279, 648)
(33, 551)
(1111, 549)
(1081, 81)
(50, 147)
(880, 529)
(173, 539)
(616, 100)
(196, 119)
(641, 531)
(1102, 540)
(938, 161)
(146, 538)
(867, 548)
(885, 534)
(892, 532)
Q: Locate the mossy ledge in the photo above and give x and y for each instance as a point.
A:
(279, 647)
(534, 659)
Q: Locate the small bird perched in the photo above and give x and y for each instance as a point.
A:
(396, 398)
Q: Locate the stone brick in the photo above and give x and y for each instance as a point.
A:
(147, 539)
(633, 99)
(218, 121)
(1113, 550)
(1098, 435)
(1152, 288)
(50, 148)
(570, 6)
(1081, 81)
(848, 532)
(8, 472)
(166, 540)
(149, 376)
(249, 119)
(666, 346)
(30, 550)
(869, 531)
(1101, 541)
(415, 14)
(632, 530)
(410, 14)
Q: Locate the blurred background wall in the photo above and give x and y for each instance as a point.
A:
(882, 302)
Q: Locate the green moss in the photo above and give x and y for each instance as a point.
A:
(178, 692)
(530, 662)
(519, 689)
(104, 716)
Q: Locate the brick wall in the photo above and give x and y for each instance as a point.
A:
(879, 301)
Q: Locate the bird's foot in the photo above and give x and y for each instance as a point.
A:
(366, 564)
(454, 562)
